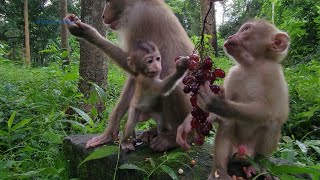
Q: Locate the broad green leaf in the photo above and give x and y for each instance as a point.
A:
(133, 167)
(288, 177)
(101, 153)
(52, 137)
(6, 164)
(71, 77)
(10, 121)
(73, 122)
(64, 54)
(286, 139)
(169, 171)
(302, 147)
(84, 115)
(20, 124)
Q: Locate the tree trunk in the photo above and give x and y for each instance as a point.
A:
(64, 34)
(93, 65)
(210, 27)
(26, 32)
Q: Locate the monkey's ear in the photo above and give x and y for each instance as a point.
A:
(279, 42)
(131, 64)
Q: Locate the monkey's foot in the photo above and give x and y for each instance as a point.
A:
(163, 143)
(127, 146)
(101, 139)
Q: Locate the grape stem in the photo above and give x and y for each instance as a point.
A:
(202, 33)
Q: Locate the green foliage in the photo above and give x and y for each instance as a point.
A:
(164, 165)
(304, 83)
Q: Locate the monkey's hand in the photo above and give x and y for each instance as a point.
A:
(182, 63)
(182, 133)
(78, 28)
(209, 101)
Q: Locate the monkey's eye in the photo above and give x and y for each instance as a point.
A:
(246, 28)
(149, 60)
(158, 58)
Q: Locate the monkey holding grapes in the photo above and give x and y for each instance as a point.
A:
(144, 60)
(253, 103)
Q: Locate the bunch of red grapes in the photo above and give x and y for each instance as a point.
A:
(200, 71)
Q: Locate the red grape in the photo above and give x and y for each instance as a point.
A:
(219, 73)
(200, 72)
(207, 64)
(193, 100)
(194, 57)
(215, 88)
(192, 65)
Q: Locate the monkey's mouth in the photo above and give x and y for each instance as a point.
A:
(230, 43)
(152, 74)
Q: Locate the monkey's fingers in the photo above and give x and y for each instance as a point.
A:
(181, 138)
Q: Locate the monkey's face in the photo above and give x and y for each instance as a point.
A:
(112, 12)
(251, 39)
(152, 64)
(256, 40)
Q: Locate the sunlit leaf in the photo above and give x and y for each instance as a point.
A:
(84, 115)
(10, 121)
(21, 124)
(302, 147)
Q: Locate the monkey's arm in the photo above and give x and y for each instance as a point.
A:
(217, 104)
(90, 34)
(169, 83)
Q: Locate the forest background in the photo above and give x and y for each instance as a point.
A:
(51, 87)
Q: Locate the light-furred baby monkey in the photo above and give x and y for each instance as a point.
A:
(144, 60)
(253, 103)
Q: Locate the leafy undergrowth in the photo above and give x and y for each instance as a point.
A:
(33, 120)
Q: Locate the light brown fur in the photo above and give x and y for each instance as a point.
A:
(254, 102)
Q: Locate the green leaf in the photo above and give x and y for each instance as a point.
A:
(133, 167)
(6, 164)
(4, 133)
(20, 124)
(100, 91)
(52, 137)
(169, 171)
(10, 121)
(84, 115)
(64, 54)
(286, 169)
(286, 139)
(101, 153)
(302, 147)
(288, 177)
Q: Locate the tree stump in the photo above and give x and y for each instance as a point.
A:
(75, 152)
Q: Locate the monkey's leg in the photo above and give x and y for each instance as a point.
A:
(222, 153)
(175, 109)
(112, 130)
(126, 143)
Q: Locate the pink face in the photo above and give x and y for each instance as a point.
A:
(240, 41)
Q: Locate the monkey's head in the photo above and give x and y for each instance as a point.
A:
(144, 58)
(113, 11)
(256, 40)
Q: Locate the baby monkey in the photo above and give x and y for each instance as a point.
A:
(144, 61)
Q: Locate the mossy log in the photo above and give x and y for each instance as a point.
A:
(75, 152)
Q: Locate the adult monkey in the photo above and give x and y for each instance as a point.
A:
(149, 20)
